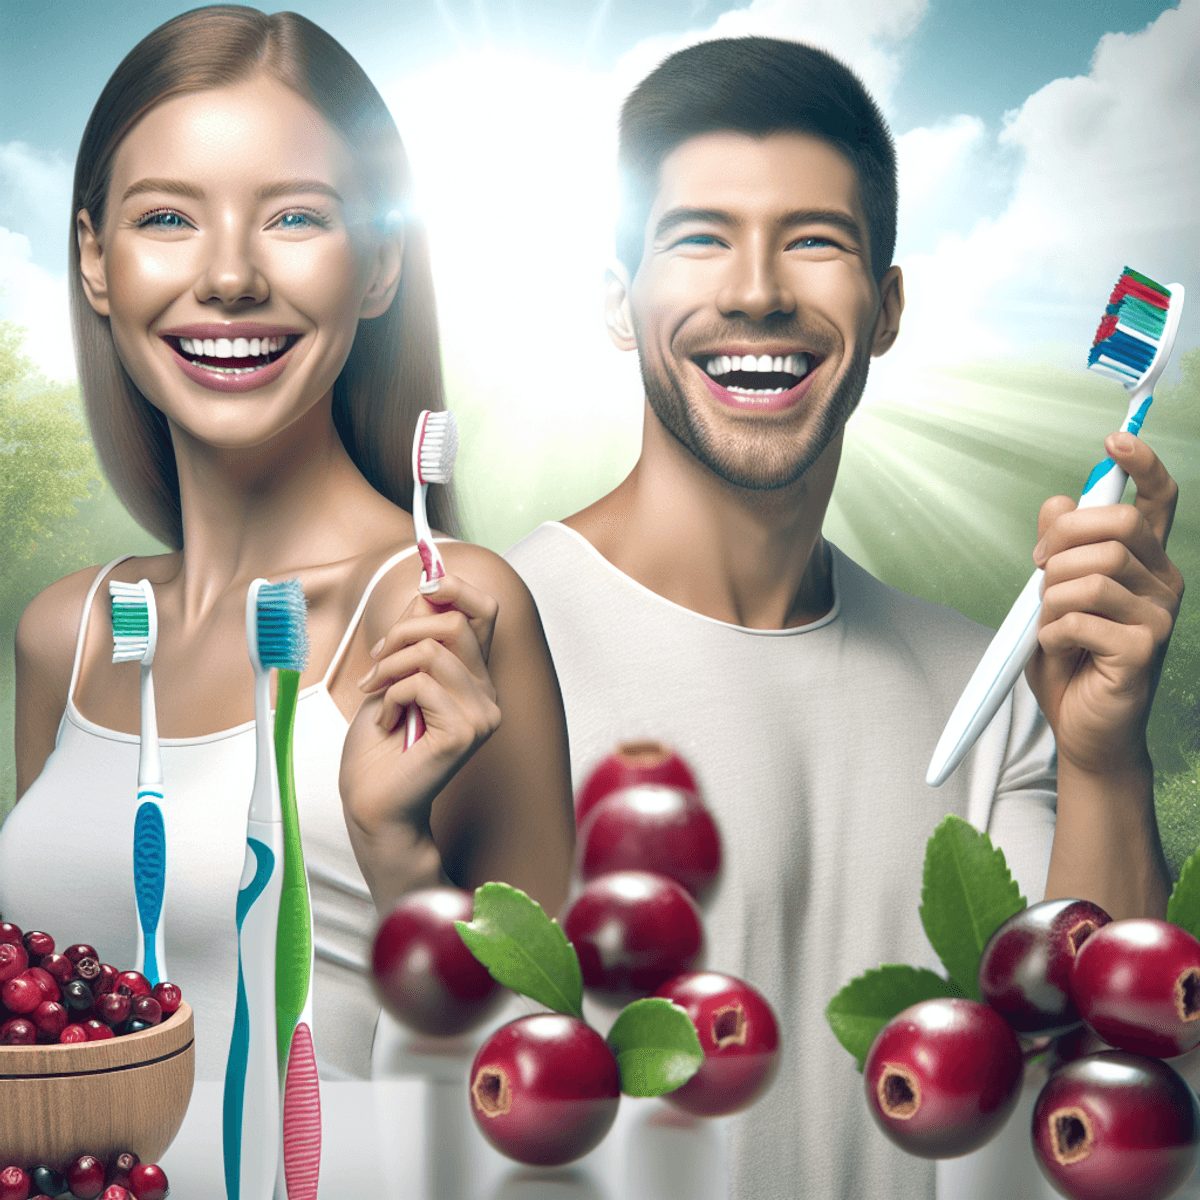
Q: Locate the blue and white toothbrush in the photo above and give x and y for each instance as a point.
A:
(276, 635)
(135, 636)
(1134, 342)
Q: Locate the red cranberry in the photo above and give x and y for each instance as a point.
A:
(80, 950)
(113, 1009)
(631, 763)
(740, 1038)
(73, 1033)
(652, 827)
(87, 969)
(46, 982)
(943, 1077)
(60, 967)
(14, 1184)
(10, 933)
(633, 931)
(426, 976)
(22, 995)
(146, 1009)
(132, 983)
(97, 1031)
(119, 1168)
(49, 1181)
(106, 981)
(13, 961)
(1137, 984)
(85, 1177)
(37, 944)
(77, 996)
(1116, 1124)
(148, 1181)
(1025, 969)
(168, 996)
(115, 1191)
(18, 1031)
(51, 1019)
(544, 1089)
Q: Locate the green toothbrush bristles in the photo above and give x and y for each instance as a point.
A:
(130, 621)
(282, 625)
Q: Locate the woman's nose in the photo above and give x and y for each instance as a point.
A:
(231, 276)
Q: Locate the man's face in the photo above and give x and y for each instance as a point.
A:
(754, 308)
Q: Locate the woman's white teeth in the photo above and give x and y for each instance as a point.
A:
(231, 348)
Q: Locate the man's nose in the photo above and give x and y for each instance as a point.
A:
(755, 287)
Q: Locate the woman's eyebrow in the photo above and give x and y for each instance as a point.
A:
(270, 191)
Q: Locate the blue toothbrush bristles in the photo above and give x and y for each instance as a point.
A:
(1131, 330)
(130, 621)
(282, 625)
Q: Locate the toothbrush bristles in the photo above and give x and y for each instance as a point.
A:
(282, 625)
(1131, 329)
(438, 447)
(130, 621)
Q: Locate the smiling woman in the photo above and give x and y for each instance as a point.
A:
(256, 336)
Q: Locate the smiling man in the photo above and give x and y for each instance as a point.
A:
(698, 602)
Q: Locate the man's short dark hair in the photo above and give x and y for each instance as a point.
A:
(757, 86)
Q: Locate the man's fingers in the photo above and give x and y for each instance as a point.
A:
(1157, 492)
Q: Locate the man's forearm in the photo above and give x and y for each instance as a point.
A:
(1106, 845)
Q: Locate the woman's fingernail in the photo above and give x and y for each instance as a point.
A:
(367, 678)
(377, 648)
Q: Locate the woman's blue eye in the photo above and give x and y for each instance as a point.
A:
(162, 220)
(298, 220)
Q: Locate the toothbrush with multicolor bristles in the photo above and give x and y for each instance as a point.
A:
(276, 636)
(1132, 345)
(135, 636)
(435, 447)
(300, 1147)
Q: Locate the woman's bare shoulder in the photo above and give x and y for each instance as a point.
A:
(49, 626)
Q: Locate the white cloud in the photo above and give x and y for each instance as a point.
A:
(1109, 176)
(866, 34)
(36, 298)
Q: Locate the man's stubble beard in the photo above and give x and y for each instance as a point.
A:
(761, 459)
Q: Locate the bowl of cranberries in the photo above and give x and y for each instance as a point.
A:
(94, 1061)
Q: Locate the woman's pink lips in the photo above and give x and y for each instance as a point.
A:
(763, 403)
(220, 381)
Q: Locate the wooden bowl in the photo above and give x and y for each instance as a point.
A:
(101, 1098)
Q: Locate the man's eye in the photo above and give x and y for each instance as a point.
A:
(812, 243)
(697, 239)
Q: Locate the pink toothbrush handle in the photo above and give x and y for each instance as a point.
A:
(301, 1118)
(414, 725)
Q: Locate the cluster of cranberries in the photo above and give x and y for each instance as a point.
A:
(87, 1178)
(71, 997)
(943, 1076)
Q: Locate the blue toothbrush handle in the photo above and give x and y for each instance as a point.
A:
(251, 1111)
(149, 885)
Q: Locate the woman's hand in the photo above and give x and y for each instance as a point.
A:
(434, 656)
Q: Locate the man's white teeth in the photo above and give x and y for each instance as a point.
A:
(235, 348)
(788, 364)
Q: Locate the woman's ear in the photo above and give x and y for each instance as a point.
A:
(91, 263)
(385, 271)
(618, 315)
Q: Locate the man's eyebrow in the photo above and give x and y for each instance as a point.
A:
(270, 191)
(838, 218)
(674, 217)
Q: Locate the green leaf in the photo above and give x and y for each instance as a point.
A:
(1183, 908)
(523, 948)
(656, 1046)
(967, 893)
(866, 1004)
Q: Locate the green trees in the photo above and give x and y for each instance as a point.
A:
(47, 468)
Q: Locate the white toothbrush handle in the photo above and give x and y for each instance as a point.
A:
(252, 1107)
(1009, 650)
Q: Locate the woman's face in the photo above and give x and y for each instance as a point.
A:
(235, 260)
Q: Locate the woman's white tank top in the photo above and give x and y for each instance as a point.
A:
(66, 861)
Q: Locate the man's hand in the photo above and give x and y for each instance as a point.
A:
(1109, 604)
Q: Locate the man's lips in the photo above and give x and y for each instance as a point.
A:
(765, 381)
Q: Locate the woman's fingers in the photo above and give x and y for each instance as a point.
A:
(434, 660)
(477, 609)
